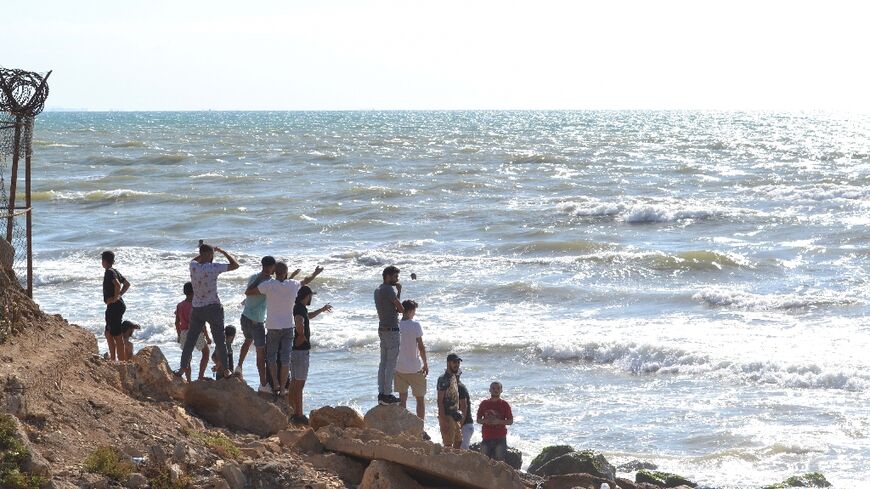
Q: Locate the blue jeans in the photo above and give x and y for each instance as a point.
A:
(389, 356)
(495, 449)
(213, 314)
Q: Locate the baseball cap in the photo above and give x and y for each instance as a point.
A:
(453, 357)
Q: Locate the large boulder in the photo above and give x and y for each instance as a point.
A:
(662, 479)
(387, 475)
(574, 481)
(635, 465)
(231, 404)
(393, 420)
(460, 468)
(148, 376)
(547, 454)
(579, 462)
(513, 457)
(810, 479)
(342, 416)
(346, 468)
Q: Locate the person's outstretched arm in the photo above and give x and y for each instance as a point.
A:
(315, 313)
(307, 280)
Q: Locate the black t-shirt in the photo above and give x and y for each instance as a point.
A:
(301, 310)
(109, 282)
(463, 394)
(450, 405)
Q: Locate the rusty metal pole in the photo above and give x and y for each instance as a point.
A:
(28, 151)
(16, 148)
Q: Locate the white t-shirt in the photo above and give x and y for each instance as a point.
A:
(280, 298)
(409, 361)
(203, 277)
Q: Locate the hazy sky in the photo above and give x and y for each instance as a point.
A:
(702, 54)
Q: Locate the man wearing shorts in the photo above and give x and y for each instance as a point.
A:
(280, 295)
(114, 286)
(299, 357)
(253, 323)
(412, 367)
(207, 306)
(182, 325)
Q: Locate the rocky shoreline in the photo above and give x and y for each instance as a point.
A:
(73, 420)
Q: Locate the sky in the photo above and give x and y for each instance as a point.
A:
(445, 55)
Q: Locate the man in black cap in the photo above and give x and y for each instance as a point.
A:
(449, 410)
(299, 357)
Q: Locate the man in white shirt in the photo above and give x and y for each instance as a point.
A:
(207, 306)
(280, 295)
(412, 367)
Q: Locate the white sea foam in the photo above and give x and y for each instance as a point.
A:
(814, 193)
(649, 359)
(725, 297)
(641, 212)
(664, 213)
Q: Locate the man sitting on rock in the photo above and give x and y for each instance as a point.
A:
(449, 413)
(494, 414)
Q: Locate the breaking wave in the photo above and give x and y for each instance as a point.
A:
(723, 297)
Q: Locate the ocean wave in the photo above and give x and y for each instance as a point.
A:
(92, 196)
(593, 209)
(647, 359)
(698, 260)
(639, 359)
(128, 144)
(723, 297)
(208, 175)
(814, 193)
(650, 213)
(556, 246)
(158, 159)
(639, 213)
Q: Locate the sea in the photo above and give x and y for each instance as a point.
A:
(689, 289)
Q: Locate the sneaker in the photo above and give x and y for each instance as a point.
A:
(264, 389)
(386, 399)
(238, 371)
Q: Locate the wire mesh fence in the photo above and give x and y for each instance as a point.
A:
(22, 97)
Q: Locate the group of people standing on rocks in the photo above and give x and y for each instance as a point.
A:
(276, 320)
(404, 365)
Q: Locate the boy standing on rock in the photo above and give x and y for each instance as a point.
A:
(182, 323)
(449, 409)
(494, 414)
(410, 370)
